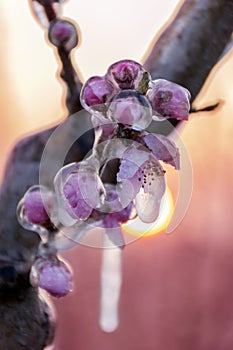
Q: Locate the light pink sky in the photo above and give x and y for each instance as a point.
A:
(110, 31)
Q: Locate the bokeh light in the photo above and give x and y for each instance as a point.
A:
(138, 228)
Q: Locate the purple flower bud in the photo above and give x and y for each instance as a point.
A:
(130, 108)
(63, 34)
(54, 275)
(95, 92)
(36, 204)
(77, 207)
(83, 191)
(128, 74)
(169, 100)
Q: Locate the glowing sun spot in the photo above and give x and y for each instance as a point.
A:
(138, 228)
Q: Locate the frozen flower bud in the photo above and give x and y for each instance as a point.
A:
(63, 33)
(131, 108)
(169, 100)
(95, 93)
(128, 74)
(53, 275)
(83, 191)
(35, 207)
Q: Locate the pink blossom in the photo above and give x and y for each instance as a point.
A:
(163, 149)
(169, 100)
(128, 74)
(54, 275)
(131, 108)
(96, 91)
(83, 191)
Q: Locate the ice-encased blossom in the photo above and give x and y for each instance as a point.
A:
(141, 170)
(35, 208)
(169, 100)
(112, 214)
(148, 199)
(53, 275)
(96, 92)
(128, 74)
(142, 176)
(80, 190)
(130, 108)
(121, 105)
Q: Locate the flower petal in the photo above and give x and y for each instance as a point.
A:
(132, 160)
(148, 199)
(163, 149)
(169, 100)
(77, 207)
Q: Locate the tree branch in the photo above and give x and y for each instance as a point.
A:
(190, 46)
(185, 53)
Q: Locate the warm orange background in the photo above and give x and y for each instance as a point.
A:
(177, 292)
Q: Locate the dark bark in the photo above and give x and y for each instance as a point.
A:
(25, 319)
(185, 53)
(191, 45)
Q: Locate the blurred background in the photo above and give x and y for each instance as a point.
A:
(177, 289)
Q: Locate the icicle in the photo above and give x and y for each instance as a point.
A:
(110, 285)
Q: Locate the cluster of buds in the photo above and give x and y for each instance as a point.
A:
(126, 94)
(36, 213)
(123, 103)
